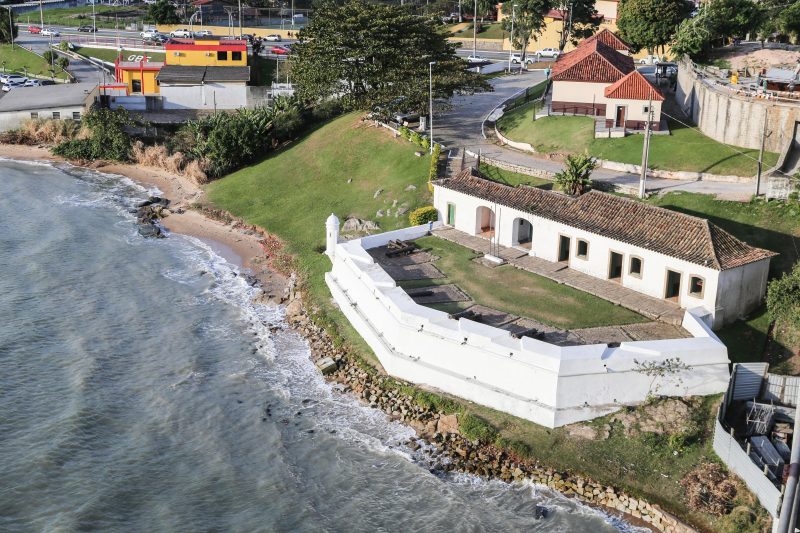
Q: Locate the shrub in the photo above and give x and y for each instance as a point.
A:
(709, 489)
(433, 170)
(423, 215)
(405, 133)
(42, 131)
(783, 299)
(106, 139)
(425, 144)
(475, 428)
(416, 138)
(574, 178)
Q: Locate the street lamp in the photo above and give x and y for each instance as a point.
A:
(430, 86)
(511, 51)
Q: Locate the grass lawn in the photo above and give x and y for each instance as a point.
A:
(486, 31)
(107, 16)
(774, 226)
(292, 192)
(521, 293)
(107, 54)
(684, 149)
(513, 179)
(20, 60)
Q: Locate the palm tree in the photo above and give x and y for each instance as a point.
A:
(574, 177)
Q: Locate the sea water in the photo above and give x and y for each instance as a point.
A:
(142, 390)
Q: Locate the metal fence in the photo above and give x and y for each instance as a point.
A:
(531, 94)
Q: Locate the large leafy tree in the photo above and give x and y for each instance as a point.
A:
(162, 12)
(789, 21)
(579, 20)
(528, 21)
(719, 20)
(651, 23)
(7, 27)
(376, 54)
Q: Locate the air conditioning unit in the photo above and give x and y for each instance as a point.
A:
(209, 54)
(176, 54)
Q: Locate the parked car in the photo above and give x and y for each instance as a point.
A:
(547, 52)
(405, 118)
(12, 78)
(280, 50)
(149, 34)
(50, 32)
(32, 83)
(181, 34)
(87, 28)
(203, 33)
(34, 29)
(517, 58)
(476, 59)
(273, 38)
(12, 85)
(650, 60)
(299, 16)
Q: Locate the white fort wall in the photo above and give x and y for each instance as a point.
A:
(541, 382)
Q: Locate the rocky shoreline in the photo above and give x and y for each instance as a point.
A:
(451, 451)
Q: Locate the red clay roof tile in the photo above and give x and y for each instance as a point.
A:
(592, 61)
(634, 86)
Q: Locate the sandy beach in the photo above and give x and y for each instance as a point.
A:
(239, 246)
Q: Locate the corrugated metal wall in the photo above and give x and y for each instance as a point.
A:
(747, 380)
(737, 460)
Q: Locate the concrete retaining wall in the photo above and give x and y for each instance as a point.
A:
(541, 382)
(734, 119)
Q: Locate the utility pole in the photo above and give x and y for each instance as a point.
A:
(94, 22)
(430, 85)
(761, 152)
(11, 29)
(790, 494)
(460, 18)
(475, 31)
(645, 148)
(240, 19)
(511, 51)
(41, 14)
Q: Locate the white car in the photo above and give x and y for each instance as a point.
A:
(181, 34)
(203, 33)
(649, 60)
(476, 59)
(517, 58)
(32, 83)
(12, 78)
(50, 32)
(149, 34)
(275, 38)
(12, 85)
(547, 52)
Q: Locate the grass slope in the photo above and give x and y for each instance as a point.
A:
(292, 192)
(107, 54)
(513, 179)
(107, 16)
(684, 149)
(19, 60)
(511, 290)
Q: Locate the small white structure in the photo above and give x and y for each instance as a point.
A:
(185, 87)
(331, 235)
(655, 251)
(547, 384)
(68, 101)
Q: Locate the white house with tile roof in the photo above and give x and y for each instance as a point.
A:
(654, 251)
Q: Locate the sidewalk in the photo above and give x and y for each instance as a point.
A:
(653, 308)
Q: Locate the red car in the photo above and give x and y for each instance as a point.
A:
(280, 50)
(34, 29)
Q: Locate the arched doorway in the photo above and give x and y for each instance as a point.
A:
(523, 233)
(484, 222)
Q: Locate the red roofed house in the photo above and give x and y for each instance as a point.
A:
(599, 79)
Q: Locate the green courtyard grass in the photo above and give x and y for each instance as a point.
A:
(107, 54)
(511, 290)
(21, 61)
(685, 149)
(336, 168)
(513, 179)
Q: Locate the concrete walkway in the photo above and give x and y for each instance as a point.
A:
(459, 127)
(653, 308)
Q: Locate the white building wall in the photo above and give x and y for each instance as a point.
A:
(206, 96)
(740, 290)
(634, 109)
(579, 91)
(545, 244)
(10, 120)
(544, 383)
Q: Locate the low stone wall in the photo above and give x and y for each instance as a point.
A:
(674, 174)
(525, 147)
(519, 169)
(544, 383)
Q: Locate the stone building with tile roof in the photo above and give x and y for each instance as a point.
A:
(599, 79)
(655, 251)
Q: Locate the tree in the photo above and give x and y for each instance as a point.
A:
(719, 20)
(8, 29)
(107, 140)
(789, 20)
(528, 21)
(376, 55)
(579, 20)
(574, 177)
(62, 62)
(651, 23)
(692, 38)
(162, 12)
